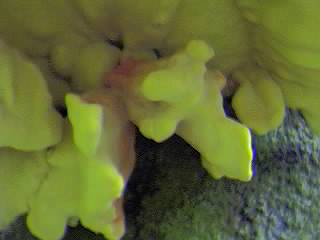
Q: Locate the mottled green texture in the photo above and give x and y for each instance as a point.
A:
(281, 201)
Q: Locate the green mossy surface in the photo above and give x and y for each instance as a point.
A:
(281, 201)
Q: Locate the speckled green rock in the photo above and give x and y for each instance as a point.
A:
(281, 201)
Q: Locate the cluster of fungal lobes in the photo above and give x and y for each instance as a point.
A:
(62, 170)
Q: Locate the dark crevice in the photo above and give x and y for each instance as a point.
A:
(141, 182)
(62, 110)
(227, 106)
(254, 156)
(157, 53)
(116, 43)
